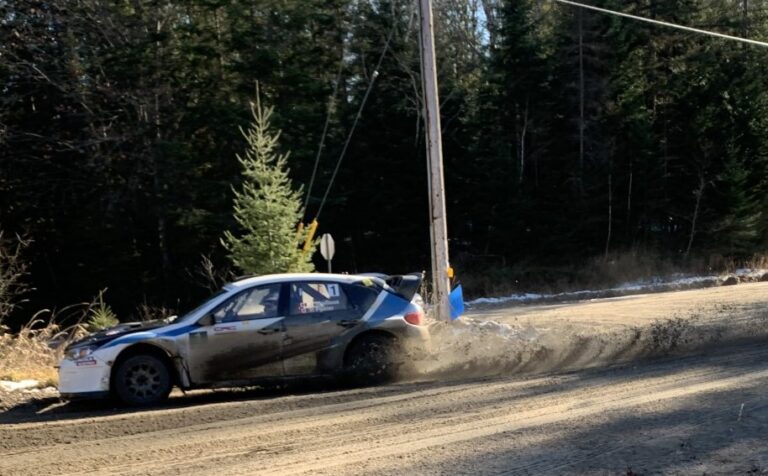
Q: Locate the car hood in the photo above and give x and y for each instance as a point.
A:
(102, 337)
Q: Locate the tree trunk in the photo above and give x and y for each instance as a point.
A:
(629, 200)
(489, 9)
(157, 184)
(698, 193)
(610, 215)
(523, 133)
(745, 19)
(581, 103)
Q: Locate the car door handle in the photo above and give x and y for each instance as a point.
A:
(268, 330)
(348, 322)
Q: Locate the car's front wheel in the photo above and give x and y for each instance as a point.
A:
(372, 360)
(142, 380)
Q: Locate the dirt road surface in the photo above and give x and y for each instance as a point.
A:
(536, 391)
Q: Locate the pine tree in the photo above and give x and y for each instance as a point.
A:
(737, 230)
(266, 209)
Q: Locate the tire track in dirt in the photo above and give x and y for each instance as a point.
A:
(559, 464)
(460, 429)
(30, 437)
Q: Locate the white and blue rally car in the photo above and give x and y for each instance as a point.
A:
(266, 327)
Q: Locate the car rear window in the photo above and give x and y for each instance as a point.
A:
(361, 297)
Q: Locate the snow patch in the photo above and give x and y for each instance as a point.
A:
(10, 386)
(515, 297)
(670, 283)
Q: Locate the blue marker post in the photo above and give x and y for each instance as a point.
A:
(457, 302)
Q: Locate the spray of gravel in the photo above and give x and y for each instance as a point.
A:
(476, 347)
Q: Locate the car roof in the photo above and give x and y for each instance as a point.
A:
(287, 277)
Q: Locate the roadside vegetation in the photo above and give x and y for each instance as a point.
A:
(26, 355)
(23, 354)
(33, 351)
(484, 278)
(266, 207)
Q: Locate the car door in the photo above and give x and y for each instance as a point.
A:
(318, 311)
(241, 340)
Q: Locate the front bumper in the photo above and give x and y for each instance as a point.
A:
(87, 377)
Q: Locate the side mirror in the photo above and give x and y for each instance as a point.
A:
(206, 320)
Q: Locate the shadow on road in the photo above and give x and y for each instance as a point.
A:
(56, 409)
(719, 433)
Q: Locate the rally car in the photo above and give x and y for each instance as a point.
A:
(362, 327)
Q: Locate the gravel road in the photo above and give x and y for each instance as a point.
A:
(664, 409)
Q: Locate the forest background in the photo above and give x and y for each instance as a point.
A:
(579, 148)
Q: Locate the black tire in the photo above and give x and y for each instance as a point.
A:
(371, 360)
(142, 380)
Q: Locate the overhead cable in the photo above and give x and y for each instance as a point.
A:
(664, 23)
(324, 134)
(357, 119)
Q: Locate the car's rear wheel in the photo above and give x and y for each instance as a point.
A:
(371, 360)
(142, 380)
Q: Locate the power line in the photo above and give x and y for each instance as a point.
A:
(357, 119)
(664, 23)
(324, 134)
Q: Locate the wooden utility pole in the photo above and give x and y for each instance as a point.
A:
(438, 229)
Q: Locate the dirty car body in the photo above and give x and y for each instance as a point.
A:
(258, 328)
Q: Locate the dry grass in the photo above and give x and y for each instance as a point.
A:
(757, 262)
(27, 354)
(628, 266)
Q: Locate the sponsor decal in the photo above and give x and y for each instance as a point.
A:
(85, 362)
(225, 328)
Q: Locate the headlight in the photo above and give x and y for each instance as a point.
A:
(79, 352)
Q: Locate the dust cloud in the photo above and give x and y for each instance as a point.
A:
(477, 347)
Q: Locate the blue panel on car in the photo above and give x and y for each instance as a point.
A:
(139, 336)
(390, 306)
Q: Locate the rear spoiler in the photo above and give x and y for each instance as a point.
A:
(405, 285)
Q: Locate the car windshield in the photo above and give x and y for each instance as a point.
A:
(203, 304)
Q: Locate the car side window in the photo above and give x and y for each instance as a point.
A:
(317, 297)
(257, 303)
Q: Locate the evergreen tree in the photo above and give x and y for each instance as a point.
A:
(737, 229)
(267, 209)
(510, 136)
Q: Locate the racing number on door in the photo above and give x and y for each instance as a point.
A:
(333, 290)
